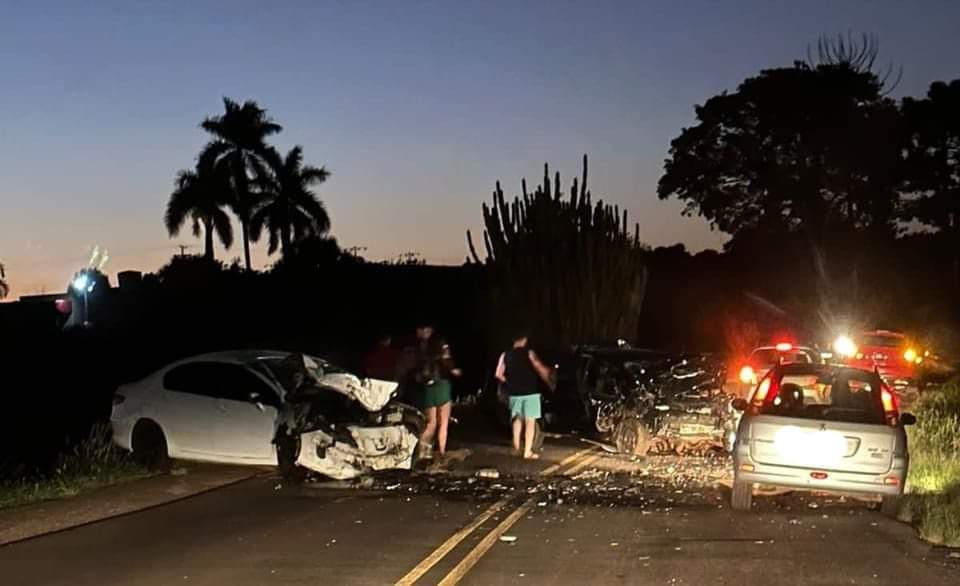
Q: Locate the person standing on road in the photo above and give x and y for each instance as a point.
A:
(518, 370)
(434, 371)
(382, 361)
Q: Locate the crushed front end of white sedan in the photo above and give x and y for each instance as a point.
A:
(341, 426)
(371, 449)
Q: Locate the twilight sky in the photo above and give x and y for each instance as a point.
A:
(416, 107)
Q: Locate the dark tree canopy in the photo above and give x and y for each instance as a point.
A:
(313, 253)
(933, 163)
(812, 147)
(934, 157)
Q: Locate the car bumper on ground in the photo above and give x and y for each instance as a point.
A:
(373, 448)
(889, 483)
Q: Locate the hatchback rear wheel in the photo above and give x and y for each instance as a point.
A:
(890, 505)
(741, 498)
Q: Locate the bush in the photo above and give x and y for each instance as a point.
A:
(933, 502)
(935, 440)
(935, 514)
(91, 463)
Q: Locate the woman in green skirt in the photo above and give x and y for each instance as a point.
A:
(435, 369)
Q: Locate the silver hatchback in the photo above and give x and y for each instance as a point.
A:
(819, 427)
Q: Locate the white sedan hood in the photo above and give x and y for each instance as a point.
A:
(371, 393)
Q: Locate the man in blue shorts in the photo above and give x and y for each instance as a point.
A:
(518, 370)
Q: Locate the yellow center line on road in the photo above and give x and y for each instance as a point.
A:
(568, 460)
(454, 540)
(581, 465)
(431, 560)
(471, 559)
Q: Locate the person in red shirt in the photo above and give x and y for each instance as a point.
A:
(381, 362)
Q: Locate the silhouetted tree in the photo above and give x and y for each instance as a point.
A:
(933, 169)
(313, 253)
(4, 288)
(200, 195)
(570, 270)
(239, 144)
(411, 258)
(191, 273)
(289, 209)
(816, 146)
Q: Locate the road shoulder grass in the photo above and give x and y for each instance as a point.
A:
(932, 503)
(93, 463)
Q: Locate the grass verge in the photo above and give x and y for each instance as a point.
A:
(932, 503)
(93, 463)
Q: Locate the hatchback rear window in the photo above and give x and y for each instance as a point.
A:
(769, 357)
(846, 395)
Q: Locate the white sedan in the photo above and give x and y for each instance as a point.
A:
(234, 407)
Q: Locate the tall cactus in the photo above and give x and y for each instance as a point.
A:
(568, 269)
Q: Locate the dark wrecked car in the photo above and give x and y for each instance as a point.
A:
(263, 407)
(638, 399)
(646, 400)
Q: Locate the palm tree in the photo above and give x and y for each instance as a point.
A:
(239, 144)
(4, 288)
(289, 209)
(200, 195)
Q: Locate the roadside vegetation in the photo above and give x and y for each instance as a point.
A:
(92, 463)
(933, 501)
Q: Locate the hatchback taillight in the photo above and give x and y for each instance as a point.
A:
(891, 410)
(766, 391)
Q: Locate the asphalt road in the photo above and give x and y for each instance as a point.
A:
(606, 525)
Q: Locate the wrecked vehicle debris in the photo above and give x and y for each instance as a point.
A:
(338, 425)
(638, 400)
(648, 401)
(654, 484)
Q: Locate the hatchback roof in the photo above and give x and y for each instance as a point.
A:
(802, 368)
(792, 347)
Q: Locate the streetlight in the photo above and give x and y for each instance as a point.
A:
(84, 284)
